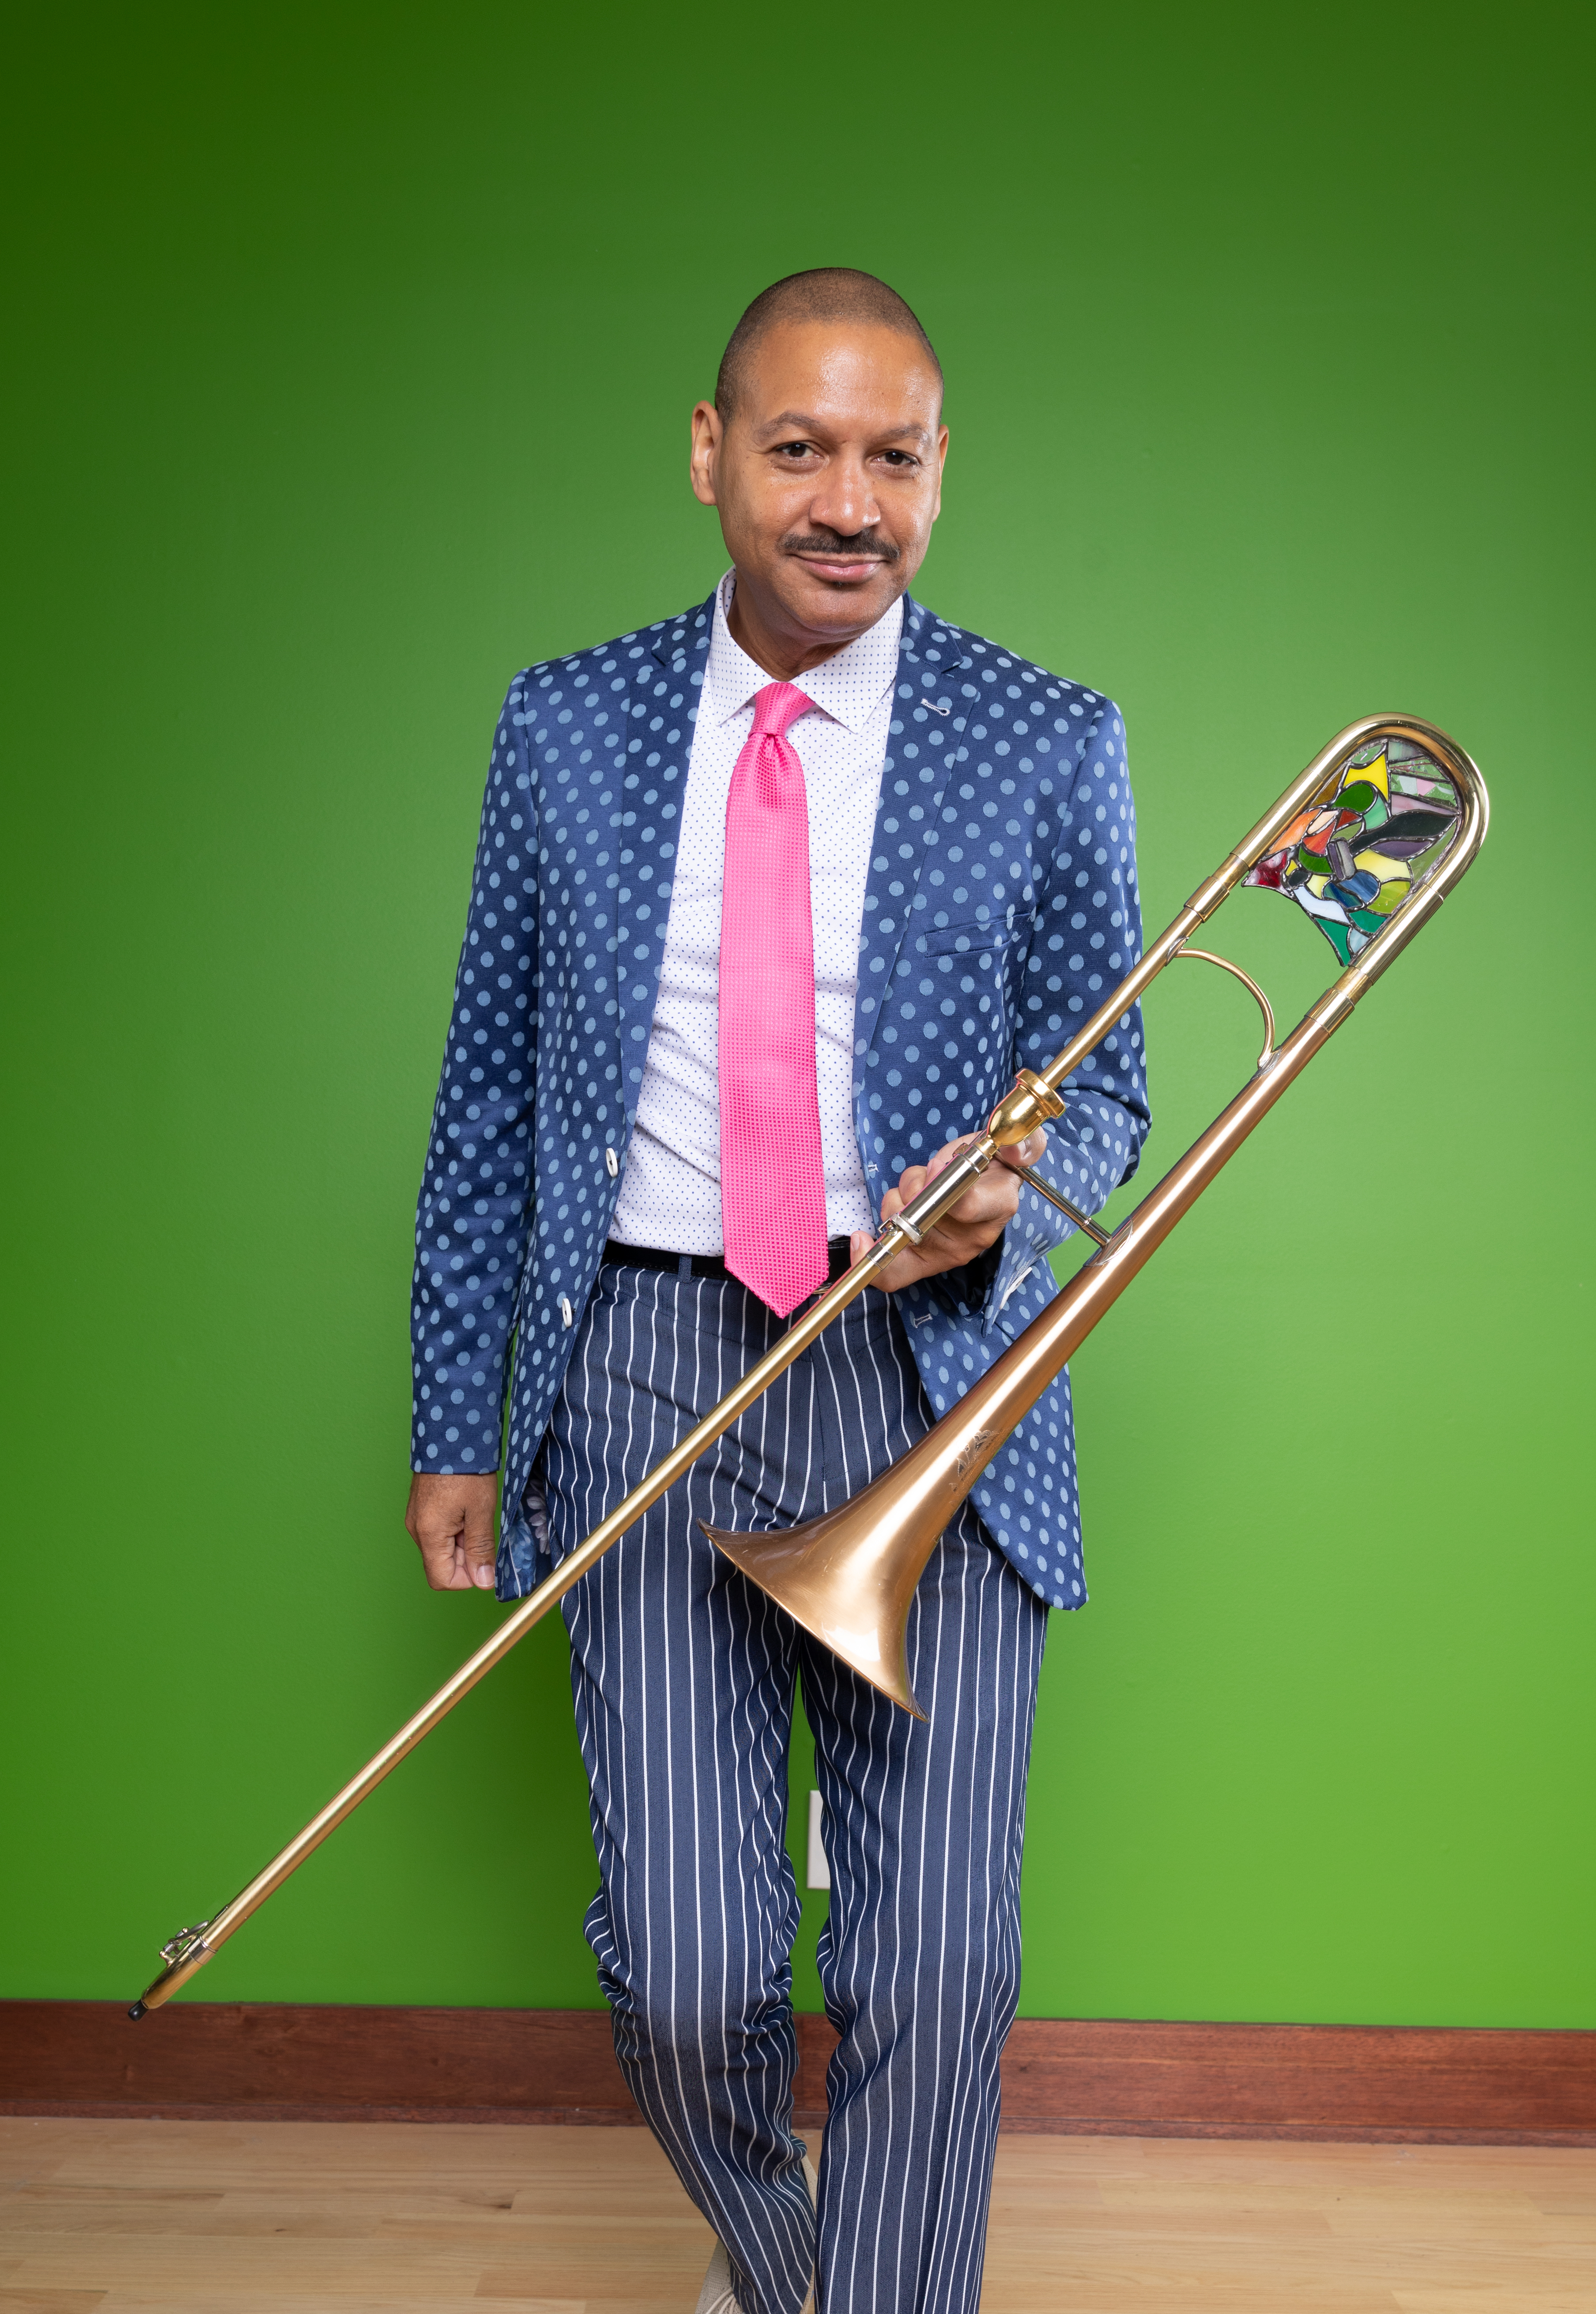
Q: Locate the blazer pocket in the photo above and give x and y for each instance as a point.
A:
(970, 936)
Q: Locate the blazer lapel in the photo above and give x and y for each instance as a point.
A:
(665, 679)
(913, 781)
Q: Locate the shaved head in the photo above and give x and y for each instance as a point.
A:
(829, 292)
(822, 454)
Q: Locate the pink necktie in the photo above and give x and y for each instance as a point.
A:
(772, 1174)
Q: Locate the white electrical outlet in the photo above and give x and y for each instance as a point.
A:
(820, 1874)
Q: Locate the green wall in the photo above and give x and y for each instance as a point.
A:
(351, 359)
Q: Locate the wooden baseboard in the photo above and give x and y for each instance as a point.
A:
(268, 2061)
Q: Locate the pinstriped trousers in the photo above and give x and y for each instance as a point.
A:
(683, 1674)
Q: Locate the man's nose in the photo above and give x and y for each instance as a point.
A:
(845, 502)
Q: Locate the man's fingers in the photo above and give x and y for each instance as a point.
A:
(916, 1178)
(973, 1224)
(946, 1155)
(477, 1545)
(450, 1520)
(906, 1189)
(438, 1538)
(445, 1569)
(1027, 1152)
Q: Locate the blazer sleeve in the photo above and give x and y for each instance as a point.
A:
(1085, 934)
(472, 1220)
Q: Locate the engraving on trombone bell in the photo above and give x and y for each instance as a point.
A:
(970, 1454)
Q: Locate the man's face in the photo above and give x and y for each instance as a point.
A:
(827, 477)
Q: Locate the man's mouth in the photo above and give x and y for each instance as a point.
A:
(841, 573)
(842, 561)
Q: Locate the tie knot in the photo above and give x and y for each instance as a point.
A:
(776, 706)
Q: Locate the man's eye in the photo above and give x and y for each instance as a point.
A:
(898, 457)
(794, 450)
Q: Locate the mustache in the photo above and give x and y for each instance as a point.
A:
(862, 543)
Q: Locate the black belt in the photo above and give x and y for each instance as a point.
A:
(838, 1253)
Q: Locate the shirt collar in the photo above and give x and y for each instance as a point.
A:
(849, 687)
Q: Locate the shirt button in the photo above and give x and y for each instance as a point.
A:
(612, 1163)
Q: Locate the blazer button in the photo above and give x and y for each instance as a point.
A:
(612, 1163)
(565, 1310)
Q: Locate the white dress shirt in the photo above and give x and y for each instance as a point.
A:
(671, 1193)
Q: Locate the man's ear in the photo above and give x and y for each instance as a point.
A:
(707, 434)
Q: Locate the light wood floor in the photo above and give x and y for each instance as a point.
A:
(367, 2218)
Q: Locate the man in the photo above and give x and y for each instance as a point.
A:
(771, 901)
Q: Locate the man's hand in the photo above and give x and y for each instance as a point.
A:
(450, 1520)
(978, 1219)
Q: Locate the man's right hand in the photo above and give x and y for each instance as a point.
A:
(450, 1519)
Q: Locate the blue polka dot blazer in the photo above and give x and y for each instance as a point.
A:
(1001, 901)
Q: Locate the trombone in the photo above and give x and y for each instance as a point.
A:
(1368, 840)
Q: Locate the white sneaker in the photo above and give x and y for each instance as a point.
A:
(718, 2296)
(813, 2183)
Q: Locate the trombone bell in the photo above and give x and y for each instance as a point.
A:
(848, 1578)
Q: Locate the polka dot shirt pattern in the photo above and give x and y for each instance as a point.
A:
(1001, 902)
